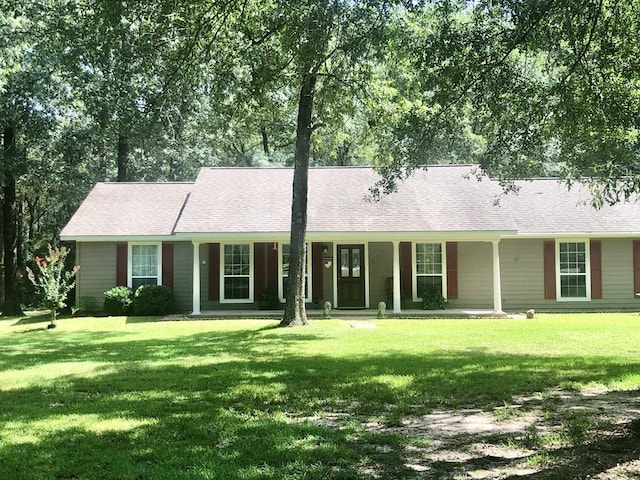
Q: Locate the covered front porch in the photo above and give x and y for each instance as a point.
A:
(352, 273)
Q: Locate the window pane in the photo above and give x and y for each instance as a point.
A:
(573, 286)
(428, 259)
(137, 282)
(285, 259)
(344, 262)
(236, 260)
(236, 288)
(144, 261)
(426, 281)
(355, 258)
(573, 257)
(573, 269)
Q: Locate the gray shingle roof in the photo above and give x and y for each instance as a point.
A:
(547, 206)
(128, 209)
(258, 200)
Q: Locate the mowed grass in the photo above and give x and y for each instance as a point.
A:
(134, 398)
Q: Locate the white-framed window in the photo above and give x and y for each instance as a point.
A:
(573, 269)
(283, 267)
(237, 273)
(145, 264)
(429, 267)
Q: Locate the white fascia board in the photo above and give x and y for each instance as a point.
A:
(452, 236)
(573, 235)
(226, 237)
(120, 239)
(469, 236)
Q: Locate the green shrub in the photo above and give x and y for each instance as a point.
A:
(432, 299)
(118, 300)
(152, 300)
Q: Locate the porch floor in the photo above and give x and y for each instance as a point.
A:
(368, 314)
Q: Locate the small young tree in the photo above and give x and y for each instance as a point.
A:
(52, 280)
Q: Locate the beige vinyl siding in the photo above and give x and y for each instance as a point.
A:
(97, 273)
(475, 275)
(182, 279)
(380, 268)
(617, 275)
(523, 277)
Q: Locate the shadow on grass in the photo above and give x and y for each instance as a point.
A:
(132, 320)
(237, 405)
(30, 319)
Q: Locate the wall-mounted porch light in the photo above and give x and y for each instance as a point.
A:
(327, 258)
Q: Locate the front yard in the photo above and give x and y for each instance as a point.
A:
(133, 398)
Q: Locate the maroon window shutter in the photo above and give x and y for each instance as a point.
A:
(406, 270)
(259, 268)
(452, 270)
(214, 271)
(317, 264)
(272, 266)
(636, 266)
(122, 252)
(167, 265)
(549, 269)
(595, 251)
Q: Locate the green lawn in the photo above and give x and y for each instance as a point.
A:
(118, 398)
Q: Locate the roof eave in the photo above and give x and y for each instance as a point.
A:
(117, 238)
(316, 236)
(580, 234)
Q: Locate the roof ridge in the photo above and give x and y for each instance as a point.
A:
(341, 167)
(158, 182)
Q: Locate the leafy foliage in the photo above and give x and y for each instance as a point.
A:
(546, 88)
(432, 299)
(118, 300)
(52, 279)
(152, 300)
(93, 91)
(146, 300)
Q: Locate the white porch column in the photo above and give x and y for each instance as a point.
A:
(196, 279)
(396, 277)
(366, 274)
(497, 289)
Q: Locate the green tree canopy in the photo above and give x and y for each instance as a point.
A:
(548, 87)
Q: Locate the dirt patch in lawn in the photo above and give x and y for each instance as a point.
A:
(560, 435)
(593, 434)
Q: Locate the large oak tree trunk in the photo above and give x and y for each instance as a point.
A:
(294, 312)
(9, 221)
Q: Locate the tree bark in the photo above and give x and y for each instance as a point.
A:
(123, 153)
(265, 139)
(178, 142)
(9, 221)
(295, 312)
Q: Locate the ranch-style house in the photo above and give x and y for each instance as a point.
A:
(221, 242)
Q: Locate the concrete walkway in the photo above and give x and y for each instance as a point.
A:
(359, 314)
